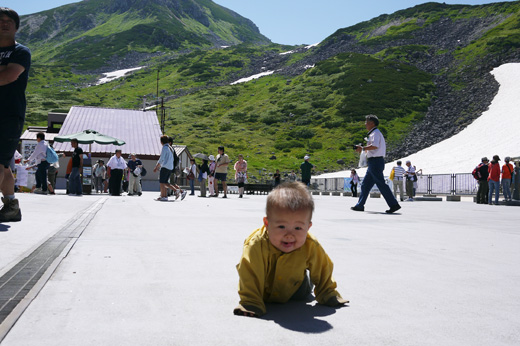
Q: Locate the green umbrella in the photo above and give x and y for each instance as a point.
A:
(89, 137)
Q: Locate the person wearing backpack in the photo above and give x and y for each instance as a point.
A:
(481, 174)
(39, 157)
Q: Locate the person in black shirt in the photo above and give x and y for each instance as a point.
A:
(483, 187)
(75, 187)
(15, 61)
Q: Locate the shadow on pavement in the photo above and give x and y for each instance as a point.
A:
(300, 316)
(4, 228)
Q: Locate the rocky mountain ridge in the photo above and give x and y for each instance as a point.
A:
(453, 108)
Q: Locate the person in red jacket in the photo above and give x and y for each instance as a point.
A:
(507, 175)
(494, 179)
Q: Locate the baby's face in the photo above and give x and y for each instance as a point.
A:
(288, 229)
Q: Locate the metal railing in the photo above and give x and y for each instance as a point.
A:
(431, 184)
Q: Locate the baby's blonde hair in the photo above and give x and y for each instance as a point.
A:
(293, 196)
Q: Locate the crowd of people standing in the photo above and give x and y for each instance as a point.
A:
(489, 175)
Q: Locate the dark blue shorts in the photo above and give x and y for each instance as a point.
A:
(10, 132)
(221, 176)
(164, 175)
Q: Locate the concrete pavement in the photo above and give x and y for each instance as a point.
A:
(140, 272)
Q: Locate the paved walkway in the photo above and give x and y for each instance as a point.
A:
(138, 272)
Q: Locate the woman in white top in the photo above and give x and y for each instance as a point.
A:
(354, 182)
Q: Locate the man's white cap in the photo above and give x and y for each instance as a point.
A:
(306, 157)
(212, 158)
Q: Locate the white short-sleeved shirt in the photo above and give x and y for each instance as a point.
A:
(376, 139)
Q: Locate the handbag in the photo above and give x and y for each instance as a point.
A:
(363, 162)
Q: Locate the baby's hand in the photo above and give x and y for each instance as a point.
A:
(242, 311)
(336, 301)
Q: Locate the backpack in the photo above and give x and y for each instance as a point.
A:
(476, 172)
(51, 155)
(175, 159)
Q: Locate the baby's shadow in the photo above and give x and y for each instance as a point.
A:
(300, 316)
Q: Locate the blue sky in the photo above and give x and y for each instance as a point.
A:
(286, 22)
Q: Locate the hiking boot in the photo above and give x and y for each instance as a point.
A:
(10, 211)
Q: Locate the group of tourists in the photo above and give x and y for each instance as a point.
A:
(489, 175)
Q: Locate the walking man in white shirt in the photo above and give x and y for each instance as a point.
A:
(376, 151)
(39, 156)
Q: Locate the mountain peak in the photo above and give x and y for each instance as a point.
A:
(117, 28)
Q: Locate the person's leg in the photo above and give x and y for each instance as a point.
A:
(224, 187)
(118, 176)
(395, 187)
(203, 188)
(380, 182)
(366, 186)
(304, 290)
(139, 188)
(192, 186)
(131, 184)
(490, 192)
(10, 211)
(497, 191)
(479, 192)
(506, 189)
(44, 165)
(211, 186)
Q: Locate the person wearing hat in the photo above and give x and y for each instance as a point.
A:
(211, 176)
(507, 176)
(411, 177)
(494, 180)
(376, 151)
(483, 186)
(306, 167)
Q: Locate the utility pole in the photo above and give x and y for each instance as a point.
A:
(163, 115)
(158, 84)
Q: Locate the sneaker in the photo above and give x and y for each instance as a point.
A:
(40, 192)
(139, 194)
(225, 196)
(393, 209)
(177, 194)
(409, 200)
(162, 199)
(183, 195)
(356, 208)
(10, 212)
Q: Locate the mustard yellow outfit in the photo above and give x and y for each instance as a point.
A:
(267, 274)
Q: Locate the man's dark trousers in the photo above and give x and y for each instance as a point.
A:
(374, 176)
(41, 175)
(483, 191)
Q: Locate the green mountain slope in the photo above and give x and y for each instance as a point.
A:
(95, 34)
